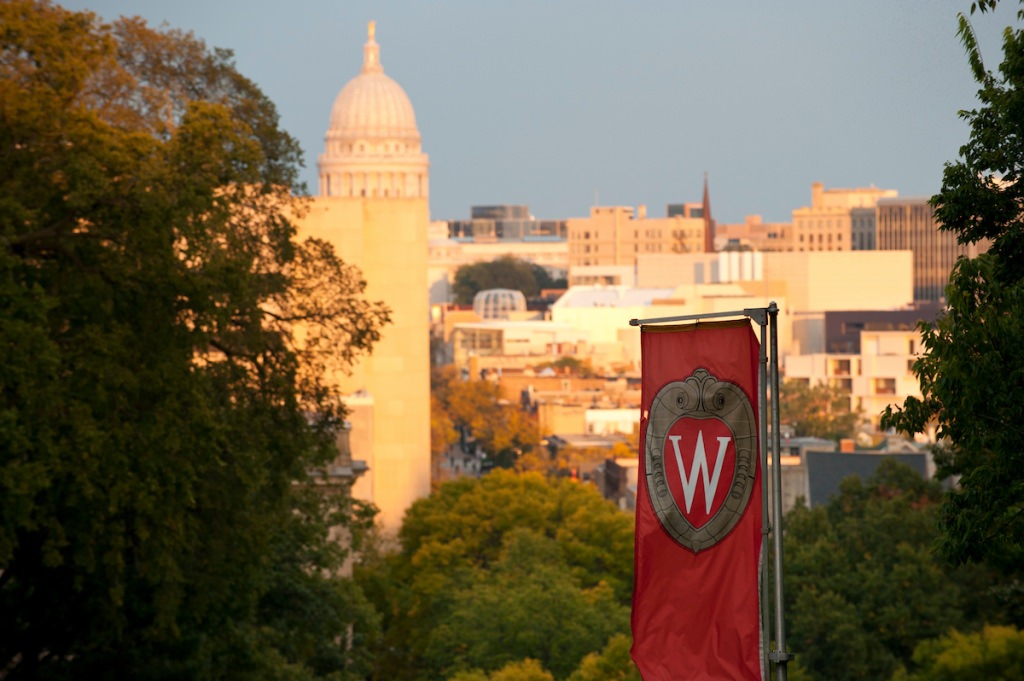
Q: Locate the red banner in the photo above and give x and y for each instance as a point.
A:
(696, 599)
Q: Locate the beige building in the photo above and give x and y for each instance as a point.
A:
(506, 344)
(616, 235)
(812, 282)
(753, 234)
(878, 376)
(373, 195)
(607, 310)
(826, 225)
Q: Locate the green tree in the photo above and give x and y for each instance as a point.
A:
(817, 411)
(527, 604)
(492, 566)
(611, 664)
(862, 586)
(993, 654)
(442, 430)
(157, 407)
(972, 371)
(524, 670)
(503, 430)
(505, 272)
(567, 363)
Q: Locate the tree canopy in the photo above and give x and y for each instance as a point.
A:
(972, 371)
(996, 653)
(476, 409)
(820, 410)
(504, 272)
(157, 406)
(863, 587)
(496, 570)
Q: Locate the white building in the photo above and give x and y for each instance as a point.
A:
(878, 376)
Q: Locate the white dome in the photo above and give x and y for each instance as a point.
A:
(372, 147)
(498, 303)
(373, 106)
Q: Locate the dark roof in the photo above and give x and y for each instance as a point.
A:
(825, 470)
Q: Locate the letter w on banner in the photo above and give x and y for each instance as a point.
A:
(696, 595)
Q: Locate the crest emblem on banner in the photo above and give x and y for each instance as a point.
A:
(701, 458)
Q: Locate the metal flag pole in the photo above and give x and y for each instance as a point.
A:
(768, 378)
(765, 518)
(781, 656)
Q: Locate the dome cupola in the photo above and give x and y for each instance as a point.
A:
(372, 146)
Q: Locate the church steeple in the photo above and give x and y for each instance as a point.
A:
(709, 224)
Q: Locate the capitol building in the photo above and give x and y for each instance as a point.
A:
(373, 207)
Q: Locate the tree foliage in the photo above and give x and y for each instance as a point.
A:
(495, 570)
(526, 605)
(574, 366)
(156, 405)
(972, 372)
(524, 670)
(477, 409)
(504, 272)
(996, 653)
(820, 410)
(862, 585)
(611, 664)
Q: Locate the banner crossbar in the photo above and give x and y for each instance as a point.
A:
(758, 314)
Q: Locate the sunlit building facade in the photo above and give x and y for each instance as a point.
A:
(373, 207)
(910, 224)
(878, 376)
(616, 235)
(826, 225)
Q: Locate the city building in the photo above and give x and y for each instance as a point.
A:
(513, 344)
(616, 235)
(805, 285)
(826, 225)
(602, 275)
(373, 194)
(910, 224)
(862, 229)
(843, 327)
(879, 375)
(607, 310)
(493, 232)
(504, 223)
(753, 234)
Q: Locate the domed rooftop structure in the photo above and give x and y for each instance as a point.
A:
(372, 105)
(498, 303)
(372, 145)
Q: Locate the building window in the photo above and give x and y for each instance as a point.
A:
(844, 384)
(885, 386)
(840, 367)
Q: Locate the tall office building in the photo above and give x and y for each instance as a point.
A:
(373, 207)
(910, 224)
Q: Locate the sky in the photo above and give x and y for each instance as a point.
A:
(566, 104)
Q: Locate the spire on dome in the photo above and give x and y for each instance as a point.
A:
(371, 51)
